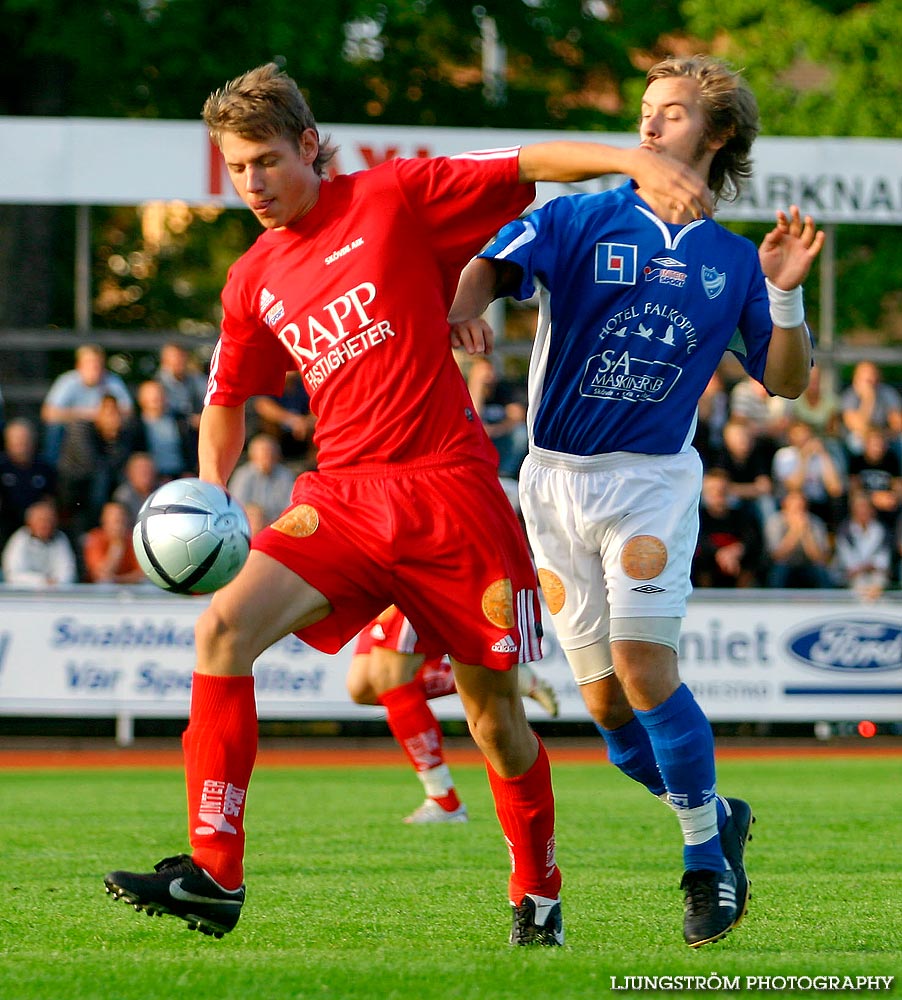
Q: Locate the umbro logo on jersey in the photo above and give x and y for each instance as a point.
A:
(666, 275)
(647, 588)
(505, 645)
(667, 262)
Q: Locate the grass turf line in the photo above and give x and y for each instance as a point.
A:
(345, 901)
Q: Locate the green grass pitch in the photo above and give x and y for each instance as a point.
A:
(345, 901)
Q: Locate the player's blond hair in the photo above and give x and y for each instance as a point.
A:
(731, 113)
(264, 103)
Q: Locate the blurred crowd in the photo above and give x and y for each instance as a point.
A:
(803, 493)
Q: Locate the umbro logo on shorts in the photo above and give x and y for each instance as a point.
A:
(649, 589)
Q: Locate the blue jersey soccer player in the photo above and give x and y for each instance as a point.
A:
(638, 302)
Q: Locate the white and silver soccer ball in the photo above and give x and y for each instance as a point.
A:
(191, 537)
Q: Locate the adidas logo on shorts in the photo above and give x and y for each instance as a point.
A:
(505, 645)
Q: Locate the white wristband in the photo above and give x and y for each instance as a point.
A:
(787, 309)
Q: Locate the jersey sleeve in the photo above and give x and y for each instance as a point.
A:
(464, 200)
(247, 360)
(529, 243)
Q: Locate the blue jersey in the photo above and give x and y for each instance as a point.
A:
(634, 317)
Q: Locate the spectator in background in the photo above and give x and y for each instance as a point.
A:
(76, 396)
(818, 406)
(24, 477)
(797, 545)
(502, 410)
(766, 416)
(713, 413)
(91, 465)
(139, 480)
(288, 419)
(38, 554)
(805, 464)
(729, 548)
(107, 550)
(878, 472)
(162, 435)
(863, 550)
(748, 465)
(185, 386)
(869, 402)
(263, 479)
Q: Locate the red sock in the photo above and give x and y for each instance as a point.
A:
(525, 808)
(413, 725)
(220, 746)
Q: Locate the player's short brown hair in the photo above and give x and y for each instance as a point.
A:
(731, 113)
(264, 103)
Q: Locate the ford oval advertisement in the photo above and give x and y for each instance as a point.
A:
(859, 646)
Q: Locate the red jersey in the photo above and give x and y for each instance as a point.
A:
(356, 295)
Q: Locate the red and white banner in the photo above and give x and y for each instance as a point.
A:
(109, 161)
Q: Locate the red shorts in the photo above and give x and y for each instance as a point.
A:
(439, 540)
(391, 630)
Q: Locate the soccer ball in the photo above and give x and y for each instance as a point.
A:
(191, 537)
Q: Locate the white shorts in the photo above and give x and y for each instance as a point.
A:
(612, 536)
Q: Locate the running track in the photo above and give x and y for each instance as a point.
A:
(383, 753)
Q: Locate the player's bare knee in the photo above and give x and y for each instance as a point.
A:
(219, 642)
(645, 658)
(606, 701)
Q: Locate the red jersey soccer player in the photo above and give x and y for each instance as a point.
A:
(351, 283)
(387, 670)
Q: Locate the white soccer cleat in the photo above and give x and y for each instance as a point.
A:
(533, 686)
(431, 812)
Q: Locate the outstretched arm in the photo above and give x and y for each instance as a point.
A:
(786, 255)
(664, 178)
(481, 282)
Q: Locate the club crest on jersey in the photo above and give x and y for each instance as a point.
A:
(615, 264)
(713, 281)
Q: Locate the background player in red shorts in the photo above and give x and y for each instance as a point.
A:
(351, 283)
(386, 670)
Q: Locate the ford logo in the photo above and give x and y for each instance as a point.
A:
(852, 645)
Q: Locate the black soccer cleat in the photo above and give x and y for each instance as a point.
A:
(709, 902)
(537, 920)
(733, 838)
(181, 888)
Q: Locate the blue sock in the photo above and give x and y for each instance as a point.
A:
(630, 750)
(683, 745)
